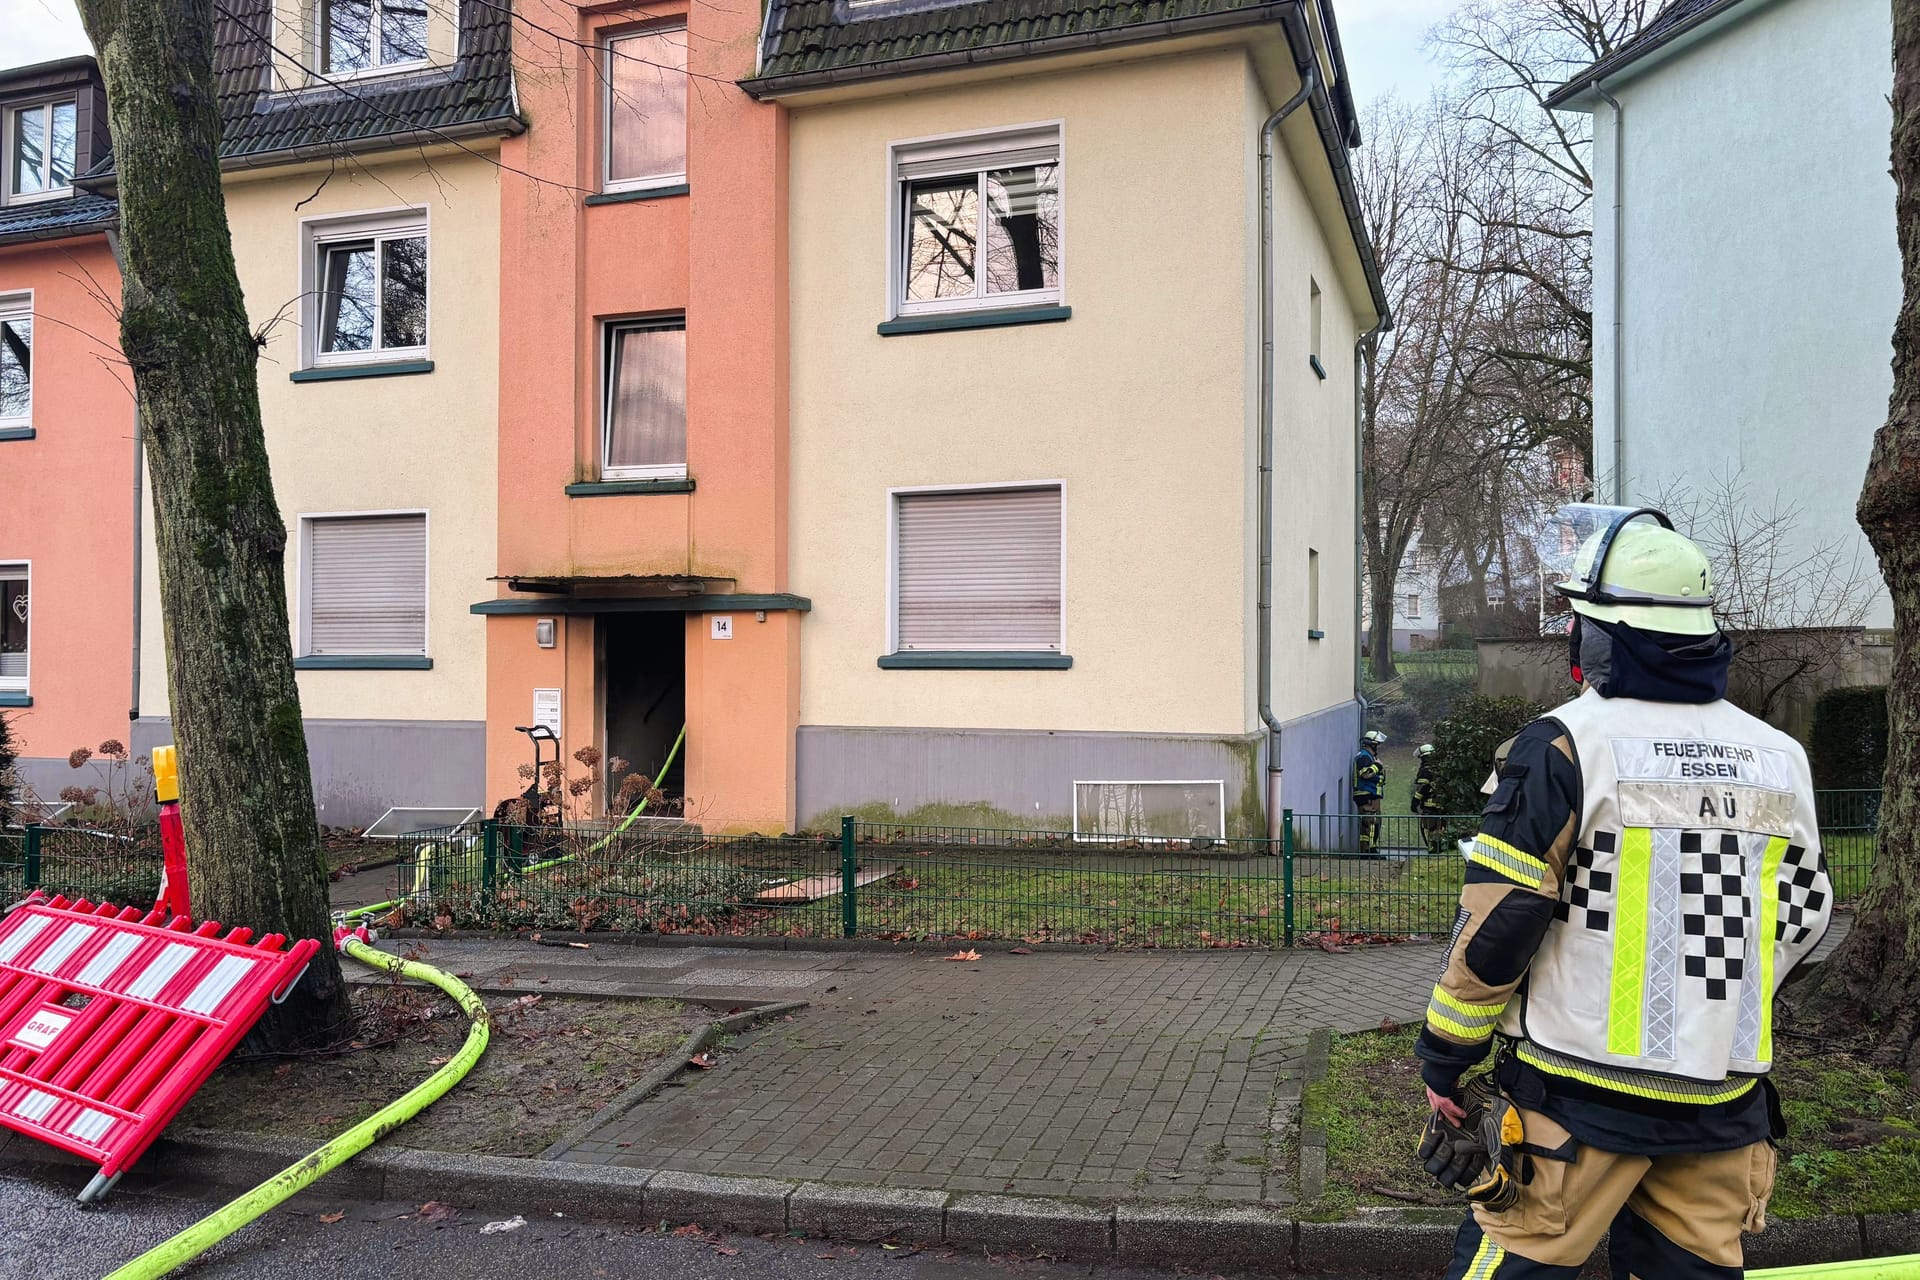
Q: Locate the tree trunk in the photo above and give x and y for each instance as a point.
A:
(253, 841)
(1872, 984)
(1382, 578)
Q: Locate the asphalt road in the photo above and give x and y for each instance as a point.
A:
(44, 1236)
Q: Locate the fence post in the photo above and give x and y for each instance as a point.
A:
(489, 855)
(849, 877)
(32, 852)
(1286, 876)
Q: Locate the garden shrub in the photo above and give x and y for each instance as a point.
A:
(9, 775)
(1433, 693)
(1464, 744)
(1847, 745)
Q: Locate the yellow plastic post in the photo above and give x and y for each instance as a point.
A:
(166, 775)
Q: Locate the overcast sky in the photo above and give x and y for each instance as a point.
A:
(1382, 39)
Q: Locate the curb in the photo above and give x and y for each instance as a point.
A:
(658, 1078)
(1313, 1120)
(1208, 1237)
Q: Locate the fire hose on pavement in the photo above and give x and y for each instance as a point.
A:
(229, 1218)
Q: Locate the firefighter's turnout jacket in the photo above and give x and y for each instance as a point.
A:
(1645, 877)
(1369, 776)
(1425, 797)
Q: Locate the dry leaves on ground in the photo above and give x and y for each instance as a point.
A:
(966, 955)
(331, 1218)
(436, 1211)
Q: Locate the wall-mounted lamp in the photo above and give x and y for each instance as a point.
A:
(543, 632)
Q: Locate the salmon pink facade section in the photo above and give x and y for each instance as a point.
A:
(642, 582)
(67, 435)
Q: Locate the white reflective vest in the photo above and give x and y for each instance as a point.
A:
(1695, 885)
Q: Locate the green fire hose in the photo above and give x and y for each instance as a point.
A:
(1906, 1268)
(229, 1218)
(367, 912)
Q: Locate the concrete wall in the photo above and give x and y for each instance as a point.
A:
(66, 503)
(1761, 270)
(414, 442)
(361, 768)
(996, 778)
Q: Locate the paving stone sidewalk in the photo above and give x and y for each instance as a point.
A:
(1100, 1075)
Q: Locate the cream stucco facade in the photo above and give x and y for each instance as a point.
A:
(419, 442)
(1143, 405)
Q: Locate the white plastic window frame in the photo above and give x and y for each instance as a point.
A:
(10, 141)
(323, 76)
(21, 570)
(315, 235)
(303, 615)
(954, 154)
(608, 183)
(892, 638)
(608, 329)
(12, 307)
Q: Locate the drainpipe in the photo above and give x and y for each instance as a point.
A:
(139, 475)
(1369, 339)
(1616, 286)
(1309, 81)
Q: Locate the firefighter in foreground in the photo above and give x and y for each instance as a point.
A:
(1647, 873)
(1369, 785)
(1426, 802)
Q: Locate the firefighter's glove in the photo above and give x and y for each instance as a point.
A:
(1479, 1157)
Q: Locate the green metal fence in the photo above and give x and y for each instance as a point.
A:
(1346, 875)
(80, 862)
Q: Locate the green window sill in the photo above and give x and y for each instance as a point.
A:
(943, 660)
(16, 699)
(16, 433)
(628, 197)
(611, 488)
(335, 372)
(364, 662)
(1314, 363)
(975, 320)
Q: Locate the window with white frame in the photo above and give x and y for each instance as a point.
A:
(643, 431)
(371, 35)
(645, 109)
(16, 360)
(40, 148)
(977, 222)
(363, 585)
(13, 628)
(978, 569)
(368, 291)
(1413, 606)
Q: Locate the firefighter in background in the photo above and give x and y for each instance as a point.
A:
(1369, 785)
(1426, 802)
(1647, 874)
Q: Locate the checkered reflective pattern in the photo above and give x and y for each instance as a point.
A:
(1801, 901)
(1586, 896)
(1714, 909)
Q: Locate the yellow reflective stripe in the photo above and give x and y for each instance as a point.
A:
(1471, 1035)
(1641, 1087)
(1486, 1260)
(1769, 919)
(1501, 863)
(1625, 1004)
(1520, 856)
(1470, 1010)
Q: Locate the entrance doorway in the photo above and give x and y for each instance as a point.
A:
(643, 678)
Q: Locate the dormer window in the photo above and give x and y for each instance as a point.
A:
(39, 145)
(372, 35)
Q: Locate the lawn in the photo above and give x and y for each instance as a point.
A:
(1853, 1144)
